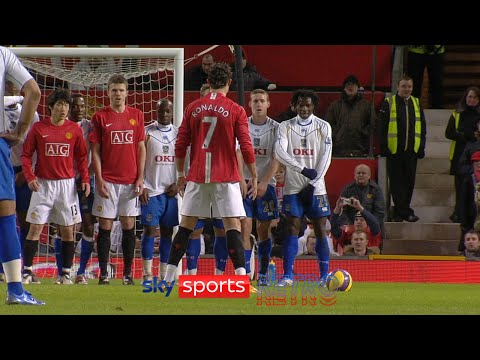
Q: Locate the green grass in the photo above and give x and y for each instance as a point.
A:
(364, 299)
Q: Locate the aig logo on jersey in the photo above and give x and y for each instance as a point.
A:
(121, 137)
(56, 149)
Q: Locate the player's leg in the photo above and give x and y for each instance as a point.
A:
(86, 243)
(106, 210)
(168, 221)
(193, 247)
(228, 204)
(318, 213)
(128, 209)
(246, 231)
(220, 250)
(150, 219)
(266, 210)
(196, 203)
(68, 252)
(54, 231)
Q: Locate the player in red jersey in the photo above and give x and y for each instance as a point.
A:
(58, 143)
(210, 126)
(118, 155)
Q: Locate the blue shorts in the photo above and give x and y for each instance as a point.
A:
(263, 208)
(86, 203)
(218, 223)
(292, 205)
(7, 179)
(160, 210)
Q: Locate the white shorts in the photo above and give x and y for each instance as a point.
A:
(56, 202)
(225, 198)
(122, 202)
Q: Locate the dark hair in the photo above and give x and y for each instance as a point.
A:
(57, 95)
(219, 75)
(304, 93)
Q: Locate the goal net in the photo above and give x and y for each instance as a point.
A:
(152, 73)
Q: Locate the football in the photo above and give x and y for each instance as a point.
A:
(339, 280)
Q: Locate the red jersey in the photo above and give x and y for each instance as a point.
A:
(119, 135)
(210, 125)
(57, 147)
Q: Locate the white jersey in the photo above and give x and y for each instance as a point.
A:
(304, 143)
(263, 140)
(160, 169)
(12, 115)
(9, 64)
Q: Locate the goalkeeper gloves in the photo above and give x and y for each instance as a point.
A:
(309, 173)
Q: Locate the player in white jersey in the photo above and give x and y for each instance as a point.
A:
(158, 201)
(263, 134)
(305, 147)
(12, 111)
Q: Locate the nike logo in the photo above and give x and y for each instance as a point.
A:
(44, 136)
(107, 125)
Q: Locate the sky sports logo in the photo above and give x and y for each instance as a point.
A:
(203, 287)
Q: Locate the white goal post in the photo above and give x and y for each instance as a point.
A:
(174, 62)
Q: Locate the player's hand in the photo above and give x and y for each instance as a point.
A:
(139, 187)
(243, 188)
(172, 190)
(103, 189)
(252, 189)
(11, 138)
(181, 183)
(34, 185)
(86, 188)
(144, 197)
(309, 173)
(262, 188)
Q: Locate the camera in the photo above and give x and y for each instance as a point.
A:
(346, 201)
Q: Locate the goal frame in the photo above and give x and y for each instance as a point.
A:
(177, 54)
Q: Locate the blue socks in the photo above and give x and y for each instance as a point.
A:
(147, 247)
(86, 249)
(290, 249)
(165, 244)
(323, 255)
(58, 254)
(192, 253)
(221, 253)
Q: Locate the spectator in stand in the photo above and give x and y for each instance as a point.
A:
(287, 114)
(461, 129)
(364, 220)
(402, 134)
(351, 120)
(431, 57)
(472, 245)
(360, 246)
(197, 75)
(367, 191)
(251, 78)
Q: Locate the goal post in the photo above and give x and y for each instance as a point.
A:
(60, 63)
(152, 73)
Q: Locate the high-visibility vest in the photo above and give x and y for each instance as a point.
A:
(422, 49)
(392, 137)
(456, 116)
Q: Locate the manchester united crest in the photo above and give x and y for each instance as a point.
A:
(68, 135)
(133, 122)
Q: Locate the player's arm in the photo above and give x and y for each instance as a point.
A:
(243, 136)
(29, 148)
(326, 155)
(81, 157)
(281, 147)
(272, 169)
(181, 146)
(141, 158)
(31, 100)
(243, 184)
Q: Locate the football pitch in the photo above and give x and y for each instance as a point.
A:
(365, 298)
